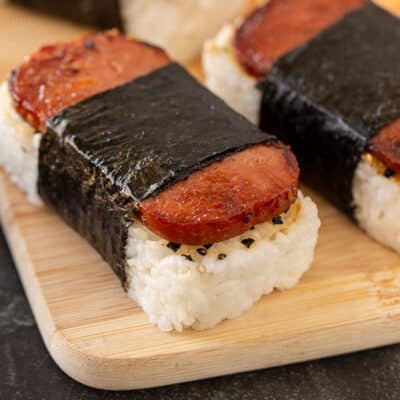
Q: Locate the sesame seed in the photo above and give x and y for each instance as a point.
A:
(201, 268)
(247, 242)
(388, 173)
(89, 43)
(277, 220)
(247, 217)
(202, 251)
(173, 246)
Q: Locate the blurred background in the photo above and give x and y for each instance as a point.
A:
(179, 26)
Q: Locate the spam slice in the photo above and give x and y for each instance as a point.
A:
(227, 198)
(282, 25)
(184, 198)
(385, 146)
(62, 74)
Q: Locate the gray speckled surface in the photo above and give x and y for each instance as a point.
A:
(27, 371)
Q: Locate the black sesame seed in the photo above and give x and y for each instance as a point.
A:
(252, 228)
(89, 43)
(388, 173)
(173, 246)
(188, 257)
(202, 251)
(221, 256)
(207, 246)
(247, 242)
(247, 217)
(277, 220)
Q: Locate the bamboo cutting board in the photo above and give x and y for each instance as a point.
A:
(349, 300)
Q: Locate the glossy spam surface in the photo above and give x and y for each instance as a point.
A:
(62, 74)
(226, 198)
(386, 145)
(282, 25)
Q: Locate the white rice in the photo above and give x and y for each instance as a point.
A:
(227, 78)
(177, 293)
(174, 292)
(178, 26)
(19, 147)
(377, 202)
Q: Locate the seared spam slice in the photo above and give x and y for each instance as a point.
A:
(62, 74)
(282, 25)
(226, 198)
(385, 146)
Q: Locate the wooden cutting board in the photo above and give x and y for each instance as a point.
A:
(348, 301)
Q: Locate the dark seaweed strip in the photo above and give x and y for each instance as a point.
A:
(97, 13)
(99, 158)
(330, 96)
(154, 131)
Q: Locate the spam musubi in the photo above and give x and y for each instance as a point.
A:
(197, 210)
(330, 89)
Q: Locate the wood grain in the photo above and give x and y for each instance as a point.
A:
(349, 300)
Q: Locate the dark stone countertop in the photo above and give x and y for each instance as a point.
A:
(27, 371)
